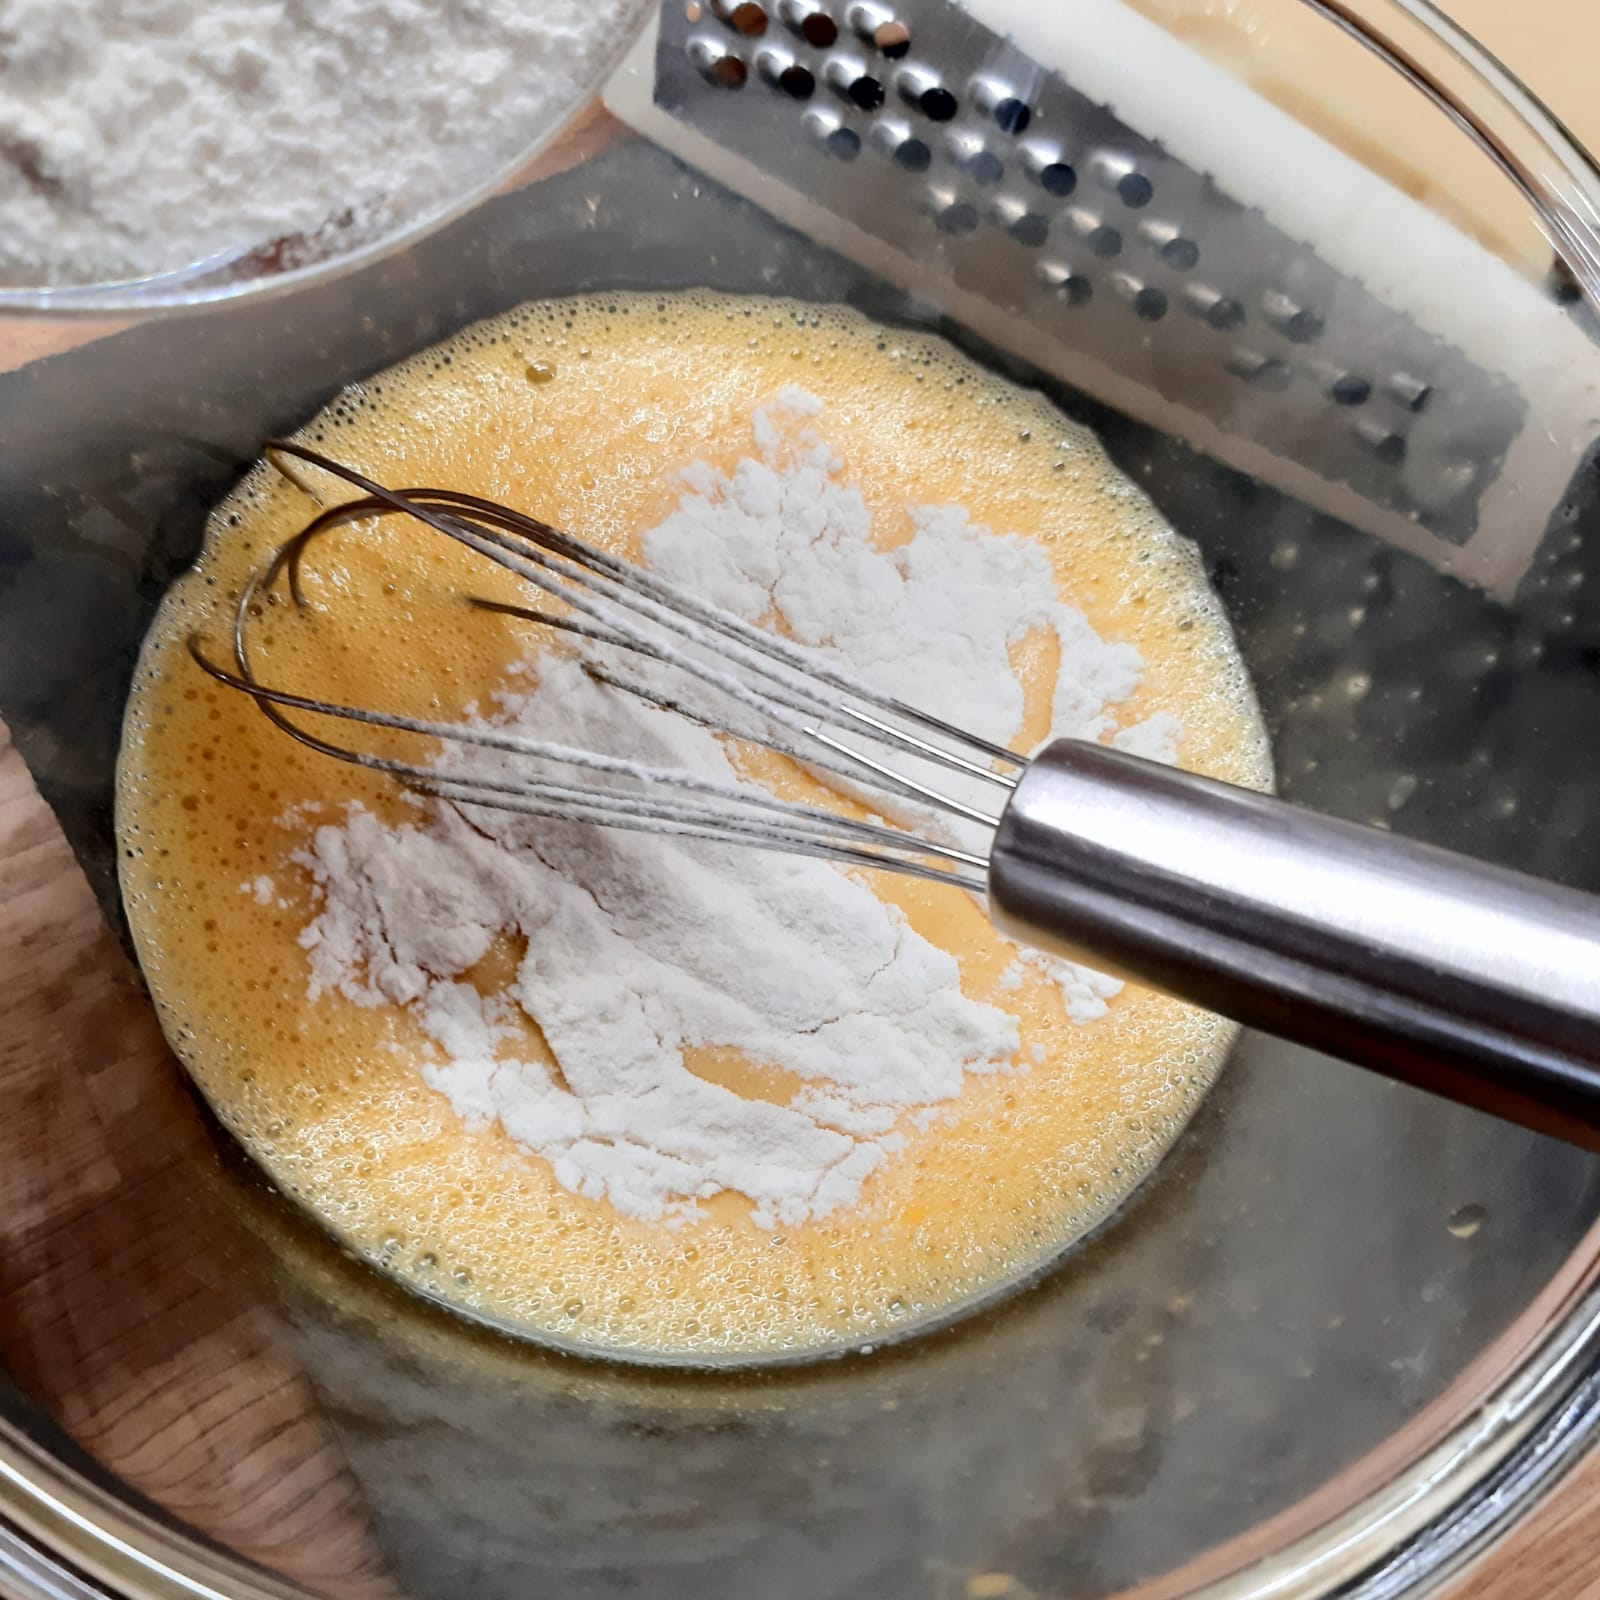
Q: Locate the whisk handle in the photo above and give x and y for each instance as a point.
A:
(1476, 983)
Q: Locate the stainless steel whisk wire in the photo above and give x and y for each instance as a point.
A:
(1435, 969)
(774, 684)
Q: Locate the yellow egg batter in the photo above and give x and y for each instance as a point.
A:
(582, 411)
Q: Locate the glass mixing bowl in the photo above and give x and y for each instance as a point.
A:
(1333, 1345)
(515, 149)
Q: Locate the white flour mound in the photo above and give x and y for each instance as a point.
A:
(638, 948)
(140, 136)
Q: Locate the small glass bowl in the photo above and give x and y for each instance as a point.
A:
(261, 271)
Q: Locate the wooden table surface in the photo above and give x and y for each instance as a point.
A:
(62, 969)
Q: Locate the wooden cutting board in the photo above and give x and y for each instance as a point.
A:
(132, 1307)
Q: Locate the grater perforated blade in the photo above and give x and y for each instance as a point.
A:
(1088, 193)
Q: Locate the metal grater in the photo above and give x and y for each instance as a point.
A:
(933, 150)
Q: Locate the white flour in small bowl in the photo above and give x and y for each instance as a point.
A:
(140, 137)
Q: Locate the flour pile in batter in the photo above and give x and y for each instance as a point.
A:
(661, 1098)
(638, 947)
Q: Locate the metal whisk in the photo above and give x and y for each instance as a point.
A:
(749, 682)
(1465, 979)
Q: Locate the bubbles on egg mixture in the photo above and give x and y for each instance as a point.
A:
(584, 410)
